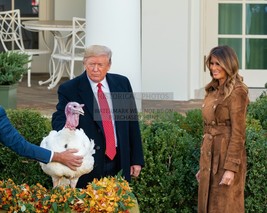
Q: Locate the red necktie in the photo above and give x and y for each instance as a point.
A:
(107, 123)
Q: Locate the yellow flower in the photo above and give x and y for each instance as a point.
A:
(109, 194)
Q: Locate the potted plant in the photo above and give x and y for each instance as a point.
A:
(12, 67)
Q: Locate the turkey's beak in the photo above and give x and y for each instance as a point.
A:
(81, 112)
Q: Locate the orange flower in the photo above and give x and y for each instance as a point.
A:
(109, 194)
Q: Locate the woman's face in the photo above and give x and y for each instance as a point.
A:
(217, 71)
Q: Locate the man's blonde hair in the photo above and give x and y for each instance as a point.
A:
(97, 50)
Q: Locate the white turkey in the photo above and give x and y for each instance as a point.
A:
(69, 138)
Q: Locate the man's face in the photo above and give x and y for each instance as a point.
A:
(97, 67)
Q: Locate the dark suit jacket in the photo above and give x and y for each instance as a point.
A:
(129, 143)
(11, 138)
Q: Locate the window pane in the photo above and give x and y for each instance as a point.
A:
(256, 53)
(230, 19)
(256, 23)
(5, 5)
(236, 44)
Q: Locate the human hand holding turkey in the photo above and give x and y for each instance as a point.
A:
(135, 170)
(68, 158)
(228, 178)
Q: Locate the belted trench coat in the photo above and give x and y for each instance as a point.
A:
(223, 148)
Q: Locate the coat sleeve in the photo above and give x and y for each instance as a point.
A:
(11, 138)
(137, 156)
(238, 107)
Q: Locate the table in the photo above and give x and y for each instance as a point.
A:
(62, 33)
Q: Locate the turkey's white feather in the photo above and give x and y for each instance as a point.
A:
(68, 139)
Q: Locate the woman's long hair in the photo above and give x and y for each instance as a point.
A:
(228, 60)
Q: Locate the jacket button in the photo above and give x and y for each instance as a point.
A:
(97, 147)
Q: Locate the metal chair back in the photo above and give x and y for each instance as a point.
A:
(10, 30)
(74, 50)
(12, 39)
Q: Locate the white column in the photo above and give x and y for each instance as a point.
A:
(116, 24)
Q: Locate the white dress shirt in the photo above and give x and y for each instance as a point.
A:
(106, 91)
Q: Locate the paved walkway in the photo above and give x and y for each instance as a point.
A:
(44, 100)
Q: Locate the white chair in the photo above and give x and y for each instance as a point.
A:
(73, 51)
(11, 35)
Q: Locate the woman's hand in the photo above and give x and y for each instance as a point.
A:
(228, 178)
(198, 176)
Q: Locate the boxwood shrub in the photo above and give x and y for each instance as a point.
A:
(258, 109)
(33, 126)
(171, 147)
(256, 184)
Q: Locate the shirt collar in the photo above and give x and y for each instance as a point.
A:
(94, 84)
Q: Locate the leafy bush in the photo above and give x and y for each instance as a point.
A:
(33, 127)
(171, 147)
(12, 67)
(256, 185)
(258, 109)
(167, 181)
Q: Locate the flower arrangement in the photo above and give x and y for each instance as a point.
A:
(112, 194)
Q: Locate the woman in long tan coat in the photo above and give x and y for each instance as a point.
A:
(222, 171)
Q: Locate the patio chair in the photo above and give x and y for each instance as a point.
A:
(11, 37)
(72, 51)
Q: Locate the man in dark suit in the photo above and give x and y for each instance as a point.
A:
(127, 154)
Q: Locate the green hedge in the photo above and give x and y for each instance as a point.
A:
(167, 181)
(258, 109)
(256, 184)
(171, 147)
(33, 126)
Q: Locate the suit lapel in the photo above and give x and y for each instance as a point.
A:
(89, 100)
(114, 88)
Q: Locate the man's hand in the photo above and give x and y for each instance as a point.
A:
(135, 170)
(68, 158)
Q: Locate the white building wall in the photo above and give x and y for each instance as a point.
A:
(116, 24)
(170, 46)
(195, 62)
(66, 9)
(169, 41)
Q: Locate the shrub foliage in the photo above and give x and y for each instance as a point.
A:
(171, 147)
(258, 109)
(33, 126)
